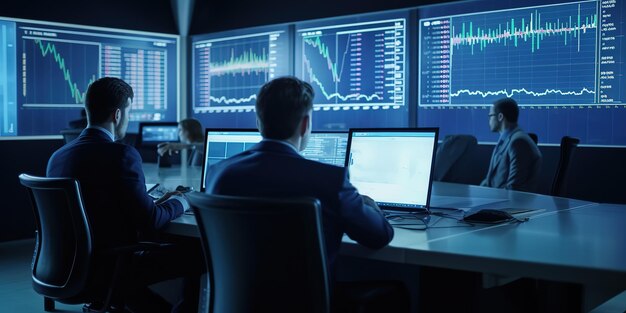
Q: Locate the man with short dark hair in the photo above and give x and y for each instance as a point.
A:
(113, 189)
(275, 168)
(516, 160)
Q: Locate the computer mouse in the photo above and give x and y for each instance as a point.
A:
(488, 216)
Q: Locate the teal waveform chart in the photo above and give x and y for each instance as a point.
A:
(545, 55)
(56, 74)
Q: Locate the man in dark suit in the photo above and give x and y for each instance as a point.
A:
(275, 168)
(516, 160)
(113, 185)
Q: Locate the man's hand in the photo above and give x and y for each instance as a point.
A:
(370, 202)
(167, 196)
(168, 147)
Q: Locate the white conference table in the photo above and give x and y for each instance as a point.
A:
(566, 240)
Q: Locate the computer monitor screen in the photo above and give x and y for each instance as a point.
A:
(358, 69)
(327, 147)
(151, 134)
(229, 68)
(220, 144)
(45, 69)
(562, 62)
(393, 166)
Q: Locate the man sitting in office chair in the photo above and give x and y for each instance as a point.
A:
(275, 168)
(516, 160)
(113, 189)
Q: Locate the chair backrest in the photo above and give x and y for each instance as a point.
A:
(64, 250)
(70, 134)
(449, 152)
(559, 184)
(263, 255)
(534, 137)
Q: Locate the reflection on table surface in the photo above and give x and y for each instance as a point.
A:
(170, 177)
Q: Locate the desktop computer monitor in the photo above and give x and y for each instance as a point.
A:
(151, 134)
(220, 144)
(327, 147)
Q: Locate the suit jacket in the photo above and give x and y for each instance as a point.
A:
(113, 188)
(273, 169)
(515, 163)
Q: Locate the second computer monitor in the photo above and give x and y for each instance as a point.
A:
(220, 144)
(393, 166)
(327, 147)
(153, 133)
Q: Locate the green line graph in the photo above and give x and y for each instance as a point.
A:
(49, 49)
(322, 48)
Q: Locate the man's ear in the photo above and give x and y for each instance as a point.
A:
(258, 125)
(117, 116)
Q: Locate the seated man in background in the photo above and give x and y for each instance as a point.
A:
(114, 194)
(516, 160)
(275, 168)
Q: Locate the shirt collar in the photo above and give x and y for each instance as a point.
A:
(102, 129)
(284, 142)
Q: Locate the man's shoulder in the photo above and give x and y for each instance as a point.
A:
(95, 150)
(519, 136)
(521, 142)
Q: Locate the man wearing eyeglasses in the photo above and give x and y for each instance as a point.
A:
(516, 160)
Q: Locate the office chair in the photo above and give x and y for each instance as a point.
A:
(534, 137)
(559, 184)
(450, 152)
(263, 255)
(70, 134)
(63, 263)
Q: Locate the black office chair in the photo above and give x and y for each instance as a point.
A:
(70, 134)
(263, 255)
(559, 184)
(452, 151)
(63, 266)
(534, 137)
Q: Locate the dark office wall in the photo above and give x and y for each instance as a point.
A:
(211, 16)
(20, 156)
(153, 15)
